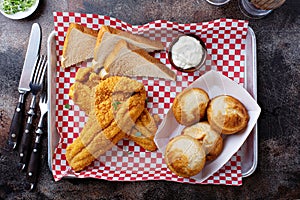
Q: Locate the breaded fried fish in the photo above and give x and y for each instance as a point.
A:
(89, 145)
(81, 92)
(119, 109)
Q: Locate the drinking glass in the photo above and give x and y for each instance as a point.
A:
(259, 8)
(217, 2)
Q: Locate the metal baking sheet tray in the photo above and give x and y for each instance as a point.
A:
(248, 151)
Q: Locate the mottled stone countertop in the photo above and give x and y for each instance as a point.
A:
(278, 79)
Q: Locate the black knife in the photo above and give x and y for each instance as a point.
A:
(30, 58)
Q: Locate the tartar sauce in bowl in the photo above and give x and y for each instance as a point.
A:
(187, 53)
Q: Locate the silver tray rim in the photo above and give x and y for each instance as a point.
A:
(249, 158)
(251, 87)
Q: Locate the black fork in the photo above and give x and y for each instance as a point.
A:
(33, 165)
(35, 86)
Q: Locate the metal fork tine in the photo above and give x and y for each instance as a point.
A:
(36, 69)
(46, 99)
(39, 69)
(43, 98)
(44, 91)
(41, 75)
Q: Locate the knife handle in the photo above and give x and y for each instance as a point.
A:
(25, 146)
(17, 122)
(33, 166)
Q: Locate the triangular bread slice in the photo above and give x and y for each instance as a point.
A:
(79, 45)
(129, 60)
(108, 37)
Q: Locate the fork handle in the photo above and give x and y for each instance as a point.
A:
(34, 162)
(17, 122)
(25, 146)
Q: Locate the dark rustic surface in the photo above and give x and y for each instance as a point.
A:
(277, 174)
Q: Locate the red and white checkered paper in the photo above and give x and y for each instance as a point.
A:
(127, 161)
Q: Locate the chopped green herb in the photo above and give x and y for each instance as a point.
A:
(14, 6)
(138, 134)
(126, 150)
(68, 106)
(115, 104)
(126, 153)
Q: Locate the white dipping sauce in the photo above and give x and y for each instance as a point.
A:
(187, 52)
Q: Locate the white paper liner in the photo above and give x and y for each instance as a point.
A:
(215, 84)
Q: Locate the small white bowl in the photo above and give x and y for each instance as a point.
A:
(22, 14)
(194, 68)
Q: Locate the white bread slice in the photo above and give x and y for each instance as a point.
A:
(79, 45)
(129, 60)
(108, 37)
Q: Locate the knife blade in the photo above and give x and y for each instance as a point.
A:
(28, 66)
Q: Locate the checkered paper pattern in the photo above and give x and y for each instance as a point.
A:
(225, 42)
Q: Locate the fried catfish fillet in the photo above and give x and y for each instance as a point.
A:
(89, 145)
(81, 91)
(119, 102)
(144, 131)
(82, 94)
